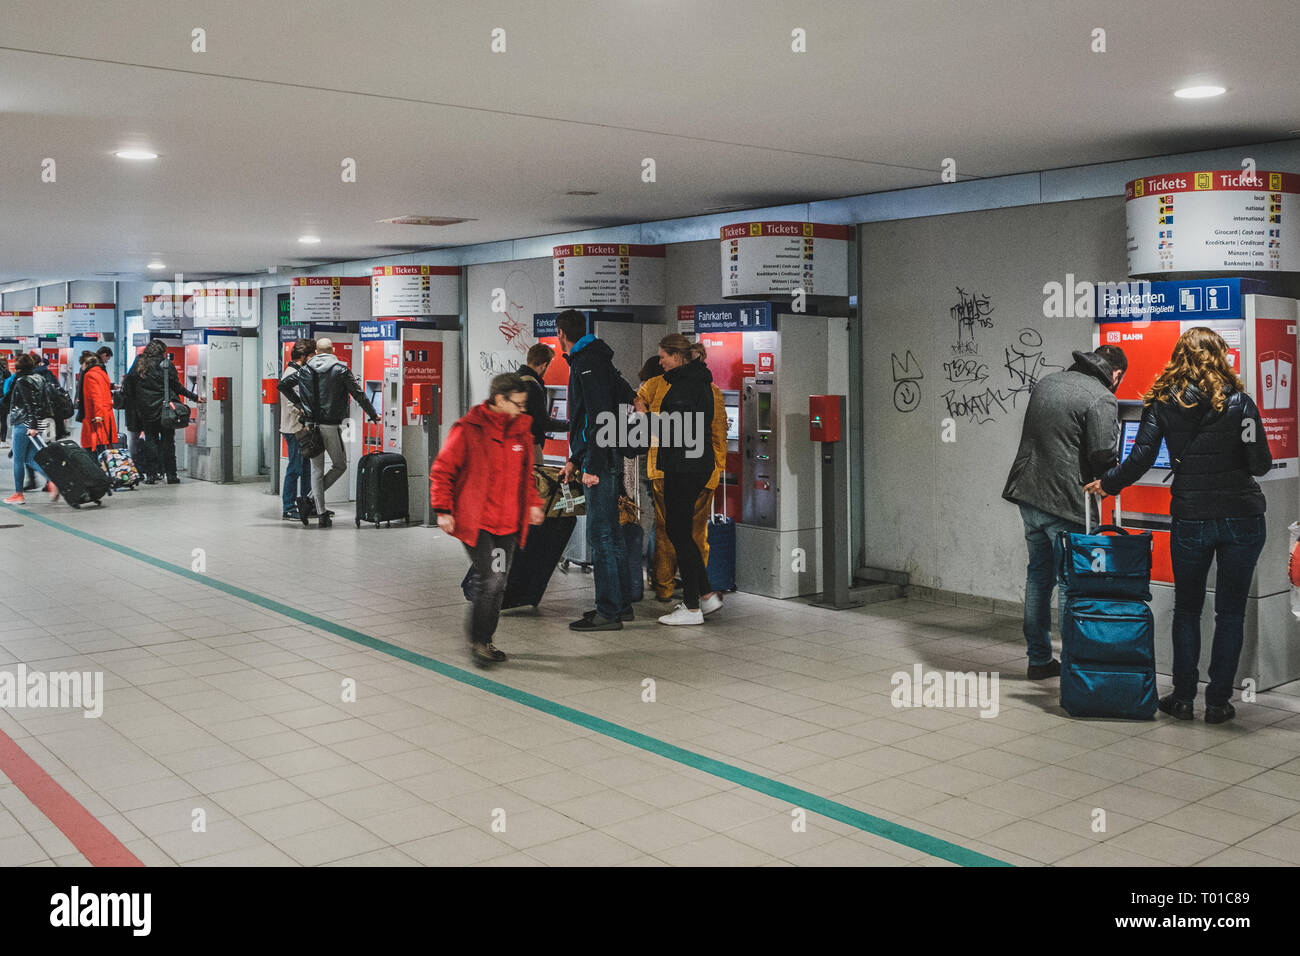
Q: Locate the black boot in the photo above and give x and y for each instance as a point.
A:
(1178, 709)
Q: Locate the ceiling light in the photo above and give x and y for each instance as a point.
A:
(424, 220)
(309, 240)
(135, 154)
(157, 265)
(582, 192)
(1198, 92)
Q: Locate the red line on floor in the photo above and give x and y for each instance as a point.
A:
(94, 840)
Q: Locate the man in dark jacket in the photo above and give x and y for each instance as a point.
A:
(596, 392)
(151, 383)
(324, 385)
(1070, 437)
(534, 376)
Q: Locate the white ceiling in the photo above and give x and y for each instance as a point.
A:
(251, 133)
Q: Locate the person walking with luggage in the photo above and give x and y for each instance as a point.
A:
(98, 423)
(687, 405)
(596, 392)
(324, 384)
(1217, 446)
(29, 411)
(1069, 437)
(296, 485)
(674, 351)
(153, 382)
(534, 375)
(482, 489)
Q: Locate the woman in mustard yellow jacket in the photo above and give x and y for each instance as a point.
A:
(674, 351)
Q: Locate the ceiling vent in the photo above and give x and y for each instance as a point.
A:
(424, 220)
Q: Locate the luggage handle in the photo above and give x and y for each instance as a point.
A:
(722, 480)
(1087, 516)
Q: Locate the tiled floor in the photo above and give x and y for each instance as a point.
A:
(220, 705)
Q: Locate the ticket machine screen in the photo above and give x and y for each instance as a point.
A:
(1130, 436)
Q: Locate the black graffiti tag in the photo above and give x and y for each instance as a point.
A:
(972, 310)
(907, 374)
(979, 408)
(1025, 364)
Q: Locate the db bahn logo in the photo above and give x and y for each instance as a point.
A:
(1113, 338)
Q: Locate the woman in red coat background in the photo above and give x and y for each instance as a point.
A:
(98, 424)
(481, 487)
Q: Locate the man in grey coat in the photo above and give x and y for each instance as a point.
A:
(1070, 437)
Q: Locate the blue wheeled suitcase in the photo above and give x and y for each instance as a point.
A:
(1107, 640)
(722, 547)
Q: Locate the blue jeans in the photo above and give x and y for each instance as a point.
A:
(297, 476)
(609, 565)
(1041, 530)
(1236, 543)
(24, 457)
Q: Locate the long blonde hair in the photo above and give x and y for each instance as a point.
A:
(676, 343)
(1200, 358)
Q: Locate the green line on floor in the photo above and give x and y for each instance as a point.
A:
(906, 836)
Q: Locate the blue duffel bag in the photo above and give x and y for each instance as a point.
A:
(1097, 564)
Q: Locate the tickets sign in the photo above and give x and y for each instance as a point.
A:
(226, 307)
(80, 317)
(397, 291)
(163, 313)
(48, 320)
(11, 323)
(329, 299)
(1213, 221)
(782, 258)
(607, 273)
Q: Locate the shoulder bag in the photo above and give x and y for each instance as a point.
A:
(175, 413)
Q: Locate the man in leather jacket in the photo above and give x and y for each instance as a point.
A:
(322, 391)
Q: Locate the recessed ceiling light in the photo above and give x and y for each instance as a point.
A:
(582, 192)
(423, 220)
(157, 265)
(309, 240)
(135, 154)
(1198, 92)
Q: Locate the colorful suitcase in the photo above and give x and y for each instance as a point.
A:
(382, 489)
(74, 471)
(117, 464)
(1107, 642)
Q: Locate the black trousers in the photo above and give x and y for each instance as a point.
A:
(162, 448)
(485, 585)
(681, 490)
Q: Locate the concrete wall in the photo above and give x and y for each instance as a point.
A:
(933, 507)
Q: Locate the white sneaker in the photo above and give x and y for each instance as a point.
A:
(710, 604)
(683, 615)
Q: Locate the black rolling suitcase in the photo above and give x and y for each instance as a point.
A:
(381, 488)
(74, 471)
(531, 570)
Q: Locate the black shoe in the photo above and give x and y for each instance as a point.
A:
(597, 622)
(1044, 671)
(151, 480)
(325, 519)
(304, 510)
(1218, 714)
(173, 480)
(291, 515)
(627, 615)
(487, 653)
(1179, 709)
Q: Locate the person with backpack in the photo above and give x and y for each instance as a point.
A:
(482, 489)
(151, 383)
(686, 466)
(597, 395)
(29, 413)
(1199, 407)
(295, 489)
(324, 384)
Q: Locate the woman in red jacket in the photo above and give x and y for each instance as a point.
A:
(481, 487)
(98, 424)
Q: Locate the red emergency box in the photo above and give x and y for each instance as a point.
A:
(824, 417)
(270, 391)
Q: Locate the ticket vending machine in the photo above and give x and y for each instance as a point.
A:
(212, 355)
(412, 377)
(766, 366)
(1145, 320)
(619, 330)
(176, 354)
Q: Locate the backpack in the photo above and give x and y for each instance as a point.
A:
(62, 407)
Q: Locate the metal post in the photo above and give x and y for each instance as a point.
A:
(275, 447)
(837, 570)
(227, 436)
